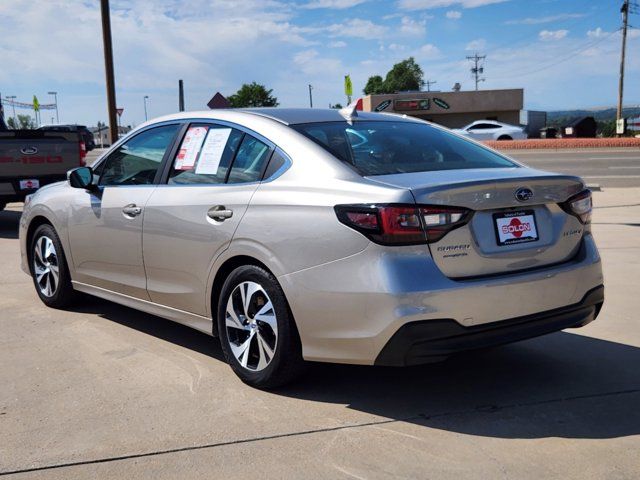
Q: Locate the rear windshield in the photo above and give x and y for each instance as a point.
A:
(384, 148)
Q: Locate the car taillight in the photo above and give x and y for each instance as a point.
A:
(579, 206)
(402, 224)
(83, 153)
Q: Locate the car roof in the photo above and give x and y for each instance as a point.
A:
(495, 122)
(285, 116)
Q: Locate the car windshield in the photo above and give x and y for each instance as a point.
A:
(384, 148)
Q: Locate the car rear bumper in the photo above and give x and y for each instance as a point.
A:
(347, 311)
(434, 340)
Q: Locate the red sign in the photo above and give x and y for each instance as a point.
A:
(516, 228)
(119, 111)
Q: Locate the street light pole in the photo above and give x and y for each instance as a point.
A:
(55, 100)
(108, 67)
(146, 97)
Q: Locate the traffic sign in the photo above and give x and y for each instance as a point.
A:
(119, 111)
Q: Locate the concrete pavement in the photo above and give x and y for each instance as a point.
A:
(103, 391)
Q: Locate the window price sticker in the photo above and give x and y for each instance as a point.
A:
(188, 153)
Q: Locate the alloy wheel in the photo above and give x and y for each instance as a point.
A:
(251, 326)
(45, 266)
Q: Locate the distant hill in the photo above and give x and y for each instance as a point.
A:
(605, 117)
(600, 114)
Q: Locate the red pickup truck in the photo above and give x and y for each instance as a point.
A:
(30, 159)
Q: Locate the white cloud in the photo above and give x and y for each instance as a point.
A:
(395, 47)
(428, 4)
(357, 28)
(454, 14)
(428, 52)
(548, 19)
(477, 44)
(409, 26)
(337, 44)
(335, 4)
(597, 33)
(550, 35)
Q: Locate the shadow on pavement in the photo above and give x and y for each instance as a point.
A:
(9, 222)
(560, 385)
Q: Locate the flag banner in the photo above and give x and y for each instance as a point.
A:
(36, 104)
(348, 86)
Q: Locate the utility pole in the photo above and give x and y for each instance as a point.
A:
(477, 69)
(625, 19)
(108, 68)
(55, 100)
(428, 83)
(146, 97)
(310, 96)
(180, 96)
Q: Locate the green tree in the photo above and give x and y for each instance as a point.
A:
(406, 75)
(25, 122)
(337, 106)
(374, 85)
(253, 95)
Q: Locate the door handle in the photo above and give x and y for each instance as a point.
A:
(219, 213)
(132, 210)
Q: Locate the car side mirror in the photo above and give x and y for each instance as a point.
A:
(81, 177)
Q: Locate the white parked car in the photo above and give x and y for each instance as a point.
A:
(491, 130)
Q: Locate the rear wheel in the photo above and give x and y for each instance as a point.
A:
(257, 332)
(49, 268)
(504, 137)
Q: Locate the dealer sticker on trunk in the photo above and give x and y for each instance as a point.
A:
(515, 227)
(29, 184)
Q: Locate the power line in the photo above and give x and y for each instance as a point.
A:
(573, 53)
(477, 69)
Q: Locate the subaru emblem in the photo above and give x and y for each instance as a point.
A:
(523, 194)
(29, 150)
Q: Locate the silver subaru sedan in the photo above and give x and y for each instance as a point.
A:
(300, 235)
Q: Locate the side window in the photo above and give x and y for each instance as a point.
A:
(483, 126)
(277, 161)
(136, 161)
(250, 161)
(205, 154)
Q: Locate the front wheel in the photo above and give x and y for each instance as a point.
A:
(257, 332)
(49, 268)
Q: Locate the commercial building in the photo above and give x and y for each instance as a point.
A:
(452, 109)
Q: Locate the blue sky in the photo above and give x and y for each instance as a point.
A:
(564, 53)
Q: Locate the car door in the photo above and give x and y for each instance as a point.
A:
(191, 219)
(483, 131)
(105, 225)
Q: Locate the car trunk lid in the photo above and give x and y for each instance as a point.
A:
(476, 248)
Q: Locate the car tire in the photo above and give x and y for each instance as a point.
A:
(504, 137)
(257, 332)
(49, 270)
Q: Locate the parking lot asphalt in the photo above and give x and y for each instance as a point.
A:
(103, 391)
